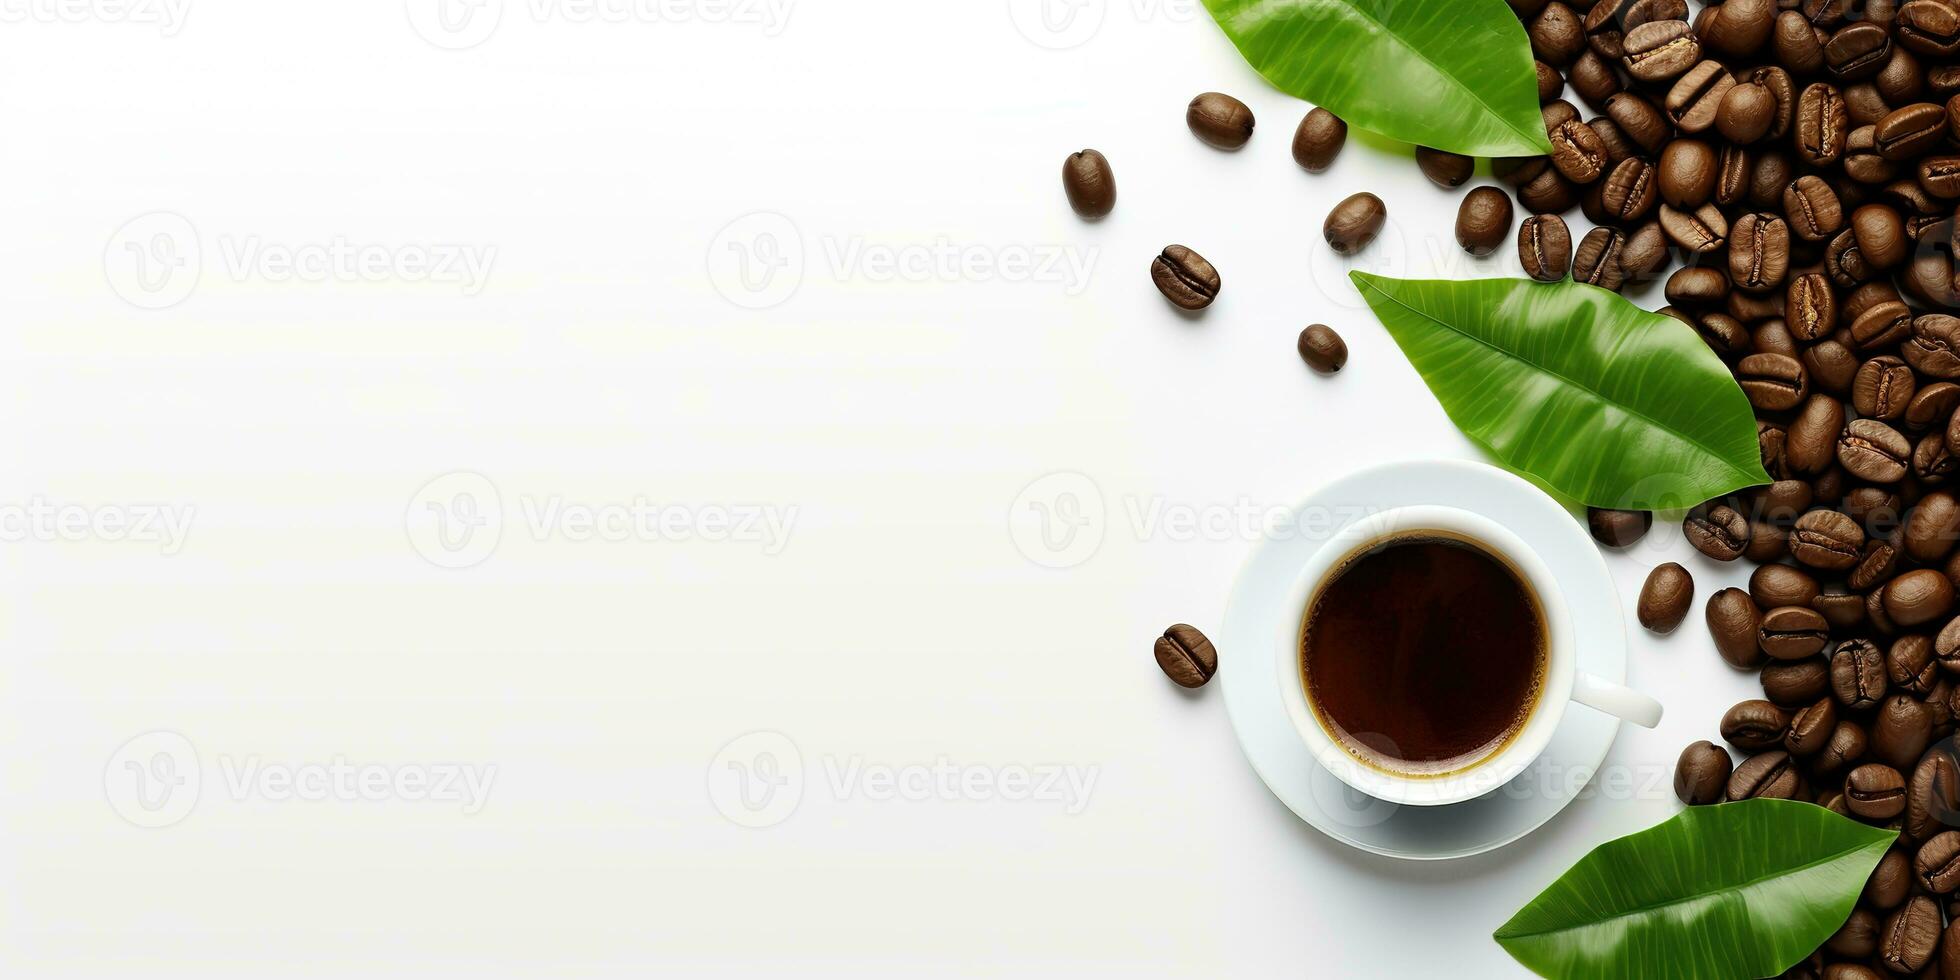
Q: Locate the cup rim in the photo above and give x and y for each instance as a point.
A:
(1501, 766)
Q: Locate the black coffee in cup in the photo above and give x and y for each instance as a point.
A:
(1424, 653)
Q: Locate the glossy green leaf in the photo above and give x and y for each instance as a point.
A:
(1576, 388)
(1738, 890)
(1453, 74)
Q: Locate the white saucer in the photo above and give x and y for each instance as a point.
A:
(1260, 603)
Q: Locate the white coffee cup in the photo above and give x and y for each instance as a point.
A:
(1563, 681)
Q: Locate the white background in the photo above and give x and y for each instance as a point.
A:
(895, 420)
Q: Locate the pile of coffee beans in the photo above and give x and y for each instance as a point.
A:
(1802, 159)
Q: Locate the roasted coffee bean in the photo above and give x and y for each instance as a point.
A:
(1695, 100)
(1881, 235)
(1597, 260)
(1577, 152)
(1911, 935)
(1218, 120)
(1770, 776)
(1810, 307)
(1774, 382)
(1768, 541)
(1891, 882)
(1725, 335)
(1629, 191)
(1883, 388)
(1444, 168)
(1934, 348)
(1483, 222)
(1793, 633)
(1782, 585)
(1733, 621)
(1875, 565)
(1797, 45)
(1644, 255)
(1933, 406)
(1900, 732)
(1931, 528)
(1186, 656)
(1718, 532)
(1619, 149)
(1811, 444)
(1355, 222)
(1658, 51)
(1827, 540)
(1740, 177)
(1910, 667)
(1938, 863)
(1908, 132)
(1939, 176)
(1594, 79)
(1759, 252)
(1319, 140)
(1933, 796)
(1793, 684)
(1857, 51)
(1811, 729)
(1918, 597)
(1747, 112)
(1550, 82)
(1770, 439)
(1618, 528)
(1548, 192)
(1640, 120)
(1703, 230)
(1545, 247)
(1701, 777)
(1862, 161)
(1666, 598)
(1874, 792)
(1932, 464)
(1089, 184)
(1557, 35)
(1930, 27)
(1822, 124)
(1185, 278)
(1874, 451)
(1686, 174)
(1844, 263)
(1844, 610)
(1812, 209)
(1774, 337)
(1739, 28)
(1858, 675)
(1845, 749)
(1322, 348)
(1858, 937)
(1697, 284)
(1873, 507)
(1882, 326)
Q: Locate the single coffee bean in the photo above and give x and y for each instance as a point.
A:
(1774, 382)
(1782, 585)
(1483, 221)
(1811, 444)
(1822, 124)
(1858, 675)
(1666, 598)
(1444, 168)
(1900, 732)
(1694, 284)
(1933, 796)
(1774, 337)
(1938, 863)
(1796, 44)
(1323, 349)
(1876, 563)
(1883, 388)
(1218, 120)
(1890, 883)
(1845, 749)
(1932, 463)
(1811, 729)
(1770, 440)
(1932, 527)
(1918, 597)
(1793, 684)
(1845, 610)
(1185, 278)
(1577, 152)
(1739, 28)
(1759, 252)
(1640, 120)
(1910, 667)
(1793, 633)
(1545, 247)
(1733, 621)
(1911, 935)
(1703, 230)
(1770, 776)
(1187, 656)
(1812, 209)
(1881, 235)
(1934, 348)
(1661, 50)
(1644, 255)
(1089, 183)
(1881, 326)
(1550, 82)
(1909, 132)
(1725, 335)
(1747, 112)
(1618, 528)
(1695, 100)
(1810, 307)
(1629, 191)
(1686, 174)
(1319, 140)
(1858, 937)
(1930, 27)
(1557, 35)
(1768, 541)
(1933, 405)
(1827, 540)
(1718, 532)
(1355, 222)
(1548, 192)
(1874, 507)
(1701, 776)
(1875, 792)
(1597, 260)
(1862, 161)
(1857, 51)
(1874, 451)
(1594, 79)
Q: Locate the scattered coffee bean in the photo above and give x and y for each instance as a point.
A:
(1793, 633)
(1701, 777)
(1618, 528)
(1733, 621)
(1911, 935)
(1219, 120)
(1089, 183)
(1355, 222)
(1446, 169)
(1185, 278)
(1718, 532)
(1875, 792)
(1770, 776)
(1918, 597)
(1186, 656)
(1483, 222)
(1323, 349)
(1318, 140)
(1666, 598)
(1545, 247)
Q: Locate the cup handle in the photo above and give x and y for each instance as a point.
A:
(1617, 700)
